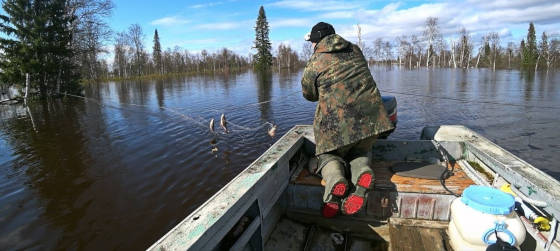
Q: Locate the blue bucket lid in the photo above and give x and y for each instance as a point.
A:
(488, 200)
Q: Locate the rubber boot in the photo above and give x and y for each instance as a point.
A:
(362, 179)
(336, 186)
(331, 208)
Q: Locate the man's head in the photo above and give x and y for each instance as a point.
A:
(318, 32)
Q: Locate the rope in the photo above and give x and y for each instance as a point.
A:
(191, 119)
(446, 173)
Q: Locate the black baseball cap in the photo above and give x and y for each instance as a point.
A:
(319, 31)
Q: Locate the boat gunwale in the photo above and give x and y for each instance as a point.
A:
(471, 144)
(197, 215)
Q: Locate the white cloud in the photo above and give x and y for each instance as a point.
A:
(506, 4)
(509, 18)
(477, 16)
(170, 21)
(339, 15)
(205, 5)
(329, 5)
(292, 22)
(541, 13)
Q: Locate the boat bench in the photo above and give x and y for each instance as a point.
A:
(393, 195)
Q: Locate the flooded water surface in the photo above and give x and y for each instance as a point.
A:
(119, 169)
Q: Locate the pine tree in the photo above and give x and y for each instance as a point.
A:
(39, 43)
(530, 53)
(543, 49)
(15, 51)
(263, 58)
(157, 54)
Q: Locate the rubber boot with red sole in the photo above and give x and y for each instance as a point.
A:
(336, 184)
(330, 209)
(356, 200)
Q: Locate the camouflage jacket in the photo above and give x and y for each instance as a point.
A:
(350, 107)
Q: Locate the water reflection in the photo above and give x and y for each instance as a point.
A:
(264, 90)
(159, 92)
(56, 170)
(120, 175)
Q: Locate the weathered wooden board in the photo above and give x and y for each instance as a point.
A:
(418, 235)
(384, 178)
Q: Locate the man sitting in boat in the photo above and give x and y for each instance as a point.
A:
(349, 116)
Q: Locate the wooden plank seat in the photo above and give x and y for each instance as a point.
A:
(385, 179)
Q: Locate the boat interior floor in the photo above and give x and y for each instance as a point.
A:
(389, 222)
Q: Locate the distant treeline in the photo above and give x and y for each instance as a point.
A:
(429, 49)
(131, 59)
(60, 42)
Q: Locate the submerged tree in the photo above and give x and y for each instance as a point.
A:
(530, 51)
(263, 58)
(431, 35)
(38, 43)
(136, 36)
(156, 54)
(90, 33)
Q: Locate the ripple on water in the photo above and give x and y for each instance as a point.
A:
(90, 170)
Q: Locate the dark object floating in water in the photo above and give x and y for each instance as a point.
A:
(534, 147)
(422, 170)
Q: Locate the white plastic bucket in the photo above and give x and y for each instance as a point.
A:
(479, 214)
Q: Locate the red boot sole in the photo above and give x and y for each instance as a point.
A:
(352, 204)
(365, 180)
(339, 189)
(330, 210)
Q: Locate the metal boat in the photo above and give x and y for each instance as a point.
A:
(274, 204)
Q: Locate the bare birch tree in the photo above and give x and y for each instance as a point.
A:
(387, 51)
(417, 47)
(465, 48)
(431, 34)
(360, 41)
(378, 49)
(403, 47)
(483, 42)
(307, 51)
(495, 47)
(453, 47)
(90, 31)
(510, 50)
(136, 36)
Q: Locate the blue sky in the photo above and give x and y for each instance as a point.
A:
(197, 25)
(211, 25)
